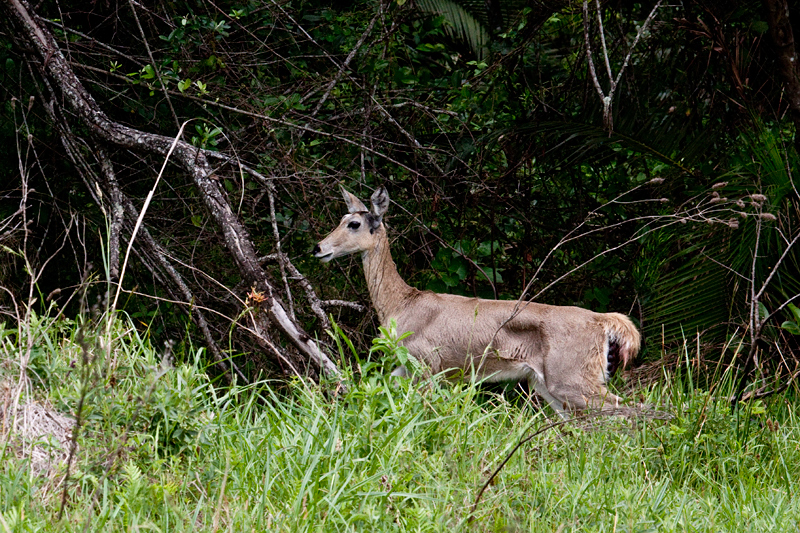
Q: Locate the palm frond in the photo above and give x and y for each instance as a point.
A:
(706, 279)
(695, 277)
(466, 21)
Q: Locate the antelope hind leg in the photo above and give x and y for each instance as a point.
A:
(558, 406)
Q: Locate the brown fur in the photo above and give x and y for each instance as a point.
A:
(561, 351)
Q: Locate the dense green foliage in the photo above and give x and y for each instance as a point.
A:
(505, 180)
(159, 448)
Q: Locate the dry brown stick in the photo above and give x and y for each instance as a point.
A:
(279, 254)
(154, 64)
(341, 70)
(765, 391)
(95, 42)
(607, 99)
(345, 65)
(343, 303)
(152, 256)
(283, 261)
(510, 454)
(115, 215)
(272, 120)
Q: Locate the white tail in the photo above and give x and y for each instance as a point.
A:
(566, 353)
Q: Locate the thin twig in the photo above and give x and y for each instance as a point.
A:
(281, 258)
(86, 373)
(141, 216)
(343, 303)
(766, 391)
(110, 460)
(508, 457)
(636, 40)
(777, 265)
(345, 65)
(273, 120)
(313, 300)
(603, 40)
(153, 62)
(755, 322)
(121, 205)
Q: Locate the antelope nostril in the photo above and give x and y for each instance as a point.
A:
(316, 249)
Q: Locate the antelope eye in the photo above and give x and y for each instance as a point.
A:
(354, 224)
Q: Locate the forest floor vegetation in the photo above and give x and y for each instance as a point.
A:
(159, 447)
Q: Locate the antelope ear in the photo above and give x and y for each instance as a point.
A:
(380, 202)
(354, 205)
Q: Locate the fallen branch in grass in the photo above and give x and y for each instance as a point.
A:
(629, 412)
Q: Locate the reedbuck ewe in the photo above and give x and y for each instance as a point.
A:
(566, 353)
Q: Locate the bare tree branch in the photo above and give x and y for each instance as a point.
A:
(317, 305)
(607, 99)
(54, 66)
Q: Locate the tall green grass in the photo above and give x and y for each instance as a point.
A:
(162, 449)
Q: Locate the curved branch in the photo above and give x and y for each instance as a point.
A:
(55, 66)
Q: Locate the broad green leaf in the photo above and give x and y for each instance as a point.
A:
(494, 275)
(763, 313)
(791, 327)
(148, 72)
(795, 312)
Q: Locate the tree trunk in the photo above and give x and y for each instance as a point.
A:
(780, 29)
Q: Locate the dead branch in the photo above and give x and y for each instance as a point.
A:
(607, 99)
(281, 258)
(53, 66)
(122, 213)
(316, 304)
(765, 391)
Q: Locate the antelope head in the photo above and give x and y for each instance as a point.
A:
(358, 231)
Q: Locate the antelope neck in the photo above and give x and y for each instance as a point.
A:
(386, 288)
